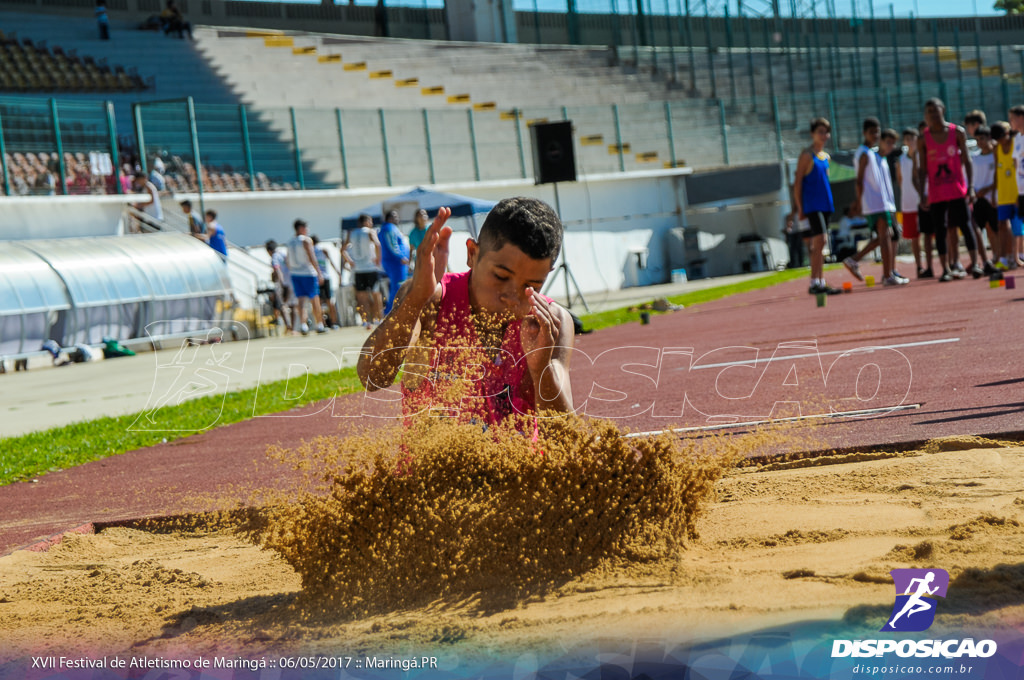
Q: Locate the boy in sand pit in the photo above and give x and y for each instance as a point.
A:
(519, 341)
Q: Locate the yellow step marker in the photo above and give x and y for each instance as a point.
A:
(991, 71)
(647, 157)
(407, 82)
(511, 115)
(614, 149)
(458, 99)
(969, 63)
(381, 75)
(329, 58)
(436, 89)
(592, 140)
(536, 121)
(279, 41)
(947, 56)
(678, 164)
(356, 66)
(304, 50)
(485, 106)
(262, 33)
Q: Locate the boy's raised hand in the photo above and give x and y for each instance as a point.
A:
(539, 330)
(431, 258)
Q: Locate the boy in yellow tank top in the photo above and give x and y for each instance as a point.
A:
(1006, 194)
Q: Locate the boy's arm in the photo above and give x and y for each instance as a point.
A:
(921, 173)
(862, 165)
(961, 139)
(376, 247)
(547, 335)
(802, 168)
(384, 351)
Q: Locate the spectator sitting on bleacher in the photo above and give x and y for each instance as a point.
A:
(156, 174)
(173, 20)
(46, 180)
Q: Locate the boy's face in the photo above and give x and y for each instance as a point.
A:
(1016, 122)
(871, 136)
(821, 135)
(910, 141)
(500, 279)
(984, 142)
(887, 145)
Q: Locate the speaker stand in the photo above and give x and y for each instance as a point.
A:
(563, 266)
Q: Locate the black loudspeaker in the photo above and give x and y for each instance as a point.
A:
(554, 159)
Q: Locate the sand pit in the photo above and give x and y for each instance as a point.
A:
(814, 540)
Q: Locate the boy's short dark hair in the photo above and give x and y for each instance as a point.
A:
(186, 203)
(1017, 110)
(999, 130)
(212, 214)
(315, 239)
(911, 132)
(819, 122)
(889, 133)
(921, 126)
(983, 131)
(975, 116)
(299, 224)
(527, 223)
(363, 217)
(871, 122)
(271, 244)
(935, 101)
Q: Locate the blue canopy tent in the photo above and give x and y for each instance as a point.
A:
(425, 199)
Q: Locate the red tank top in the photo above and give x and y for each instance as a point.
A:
(946, 179)
(487, 388)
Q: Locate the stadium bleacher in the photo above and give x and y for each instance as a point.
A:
(277, 110)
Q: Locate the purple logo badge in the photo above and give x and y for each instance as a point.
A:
(914, 609)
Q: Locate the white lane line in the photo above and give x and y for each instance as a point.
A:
(790, 419)
(866, 349)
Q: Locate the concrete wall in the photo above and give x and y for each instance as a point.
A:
(613, 222)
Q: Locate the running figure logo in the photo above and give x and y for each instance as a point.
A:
(914, 609)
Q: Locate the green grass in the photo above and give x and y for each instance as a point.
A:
(34, 454)
(616, 317)
(31, 455)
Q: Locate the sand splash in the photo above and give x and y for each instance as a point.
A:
(442, 509)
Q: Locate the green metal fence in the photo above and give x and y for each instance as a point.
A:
(213, 148)
(55, 147)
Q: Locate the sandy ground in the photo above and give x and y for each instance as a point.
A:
(802, 541)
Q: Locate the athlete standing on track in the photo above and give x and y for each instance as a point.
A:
(812, 194)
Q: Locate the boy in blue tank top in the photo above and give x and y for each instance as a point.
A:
(812, 194)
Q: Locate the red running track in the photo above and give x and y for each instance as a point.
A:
(952, 348)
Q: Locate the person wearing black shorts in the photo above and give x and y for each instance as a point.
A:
(361, 251)
(812, 195)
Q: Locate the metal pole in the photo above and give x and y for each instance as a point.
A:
(298, 154)
(729, 46)
(895, 46)
(58, 143)
(519, 143)
(768, 59)
(935, 40)
(341, 146)
(640, 20)
(472, 144)
(573, 23)
(789, 70)
(671, 43)
(536, 20)
(888, 108)
(3, 160)
(243, 121)
(115, 156)
(616, 25)
(917, 60)
(707, 46)
(618, 137)
(430, 149)
(140, 137)
(384, 143)
(750, 60)
(778, 127)
(689, 49)
(810, 69)
(1005, 86)
(959, 68)
(835, 120)
(671, 133)
(193, 132)
(725, 133)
